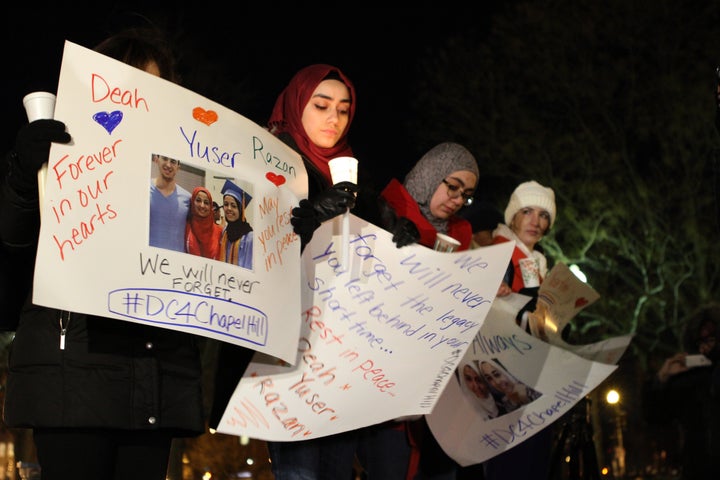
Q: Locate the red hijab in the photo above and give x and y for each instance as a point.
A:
(202, 234)
(287, 115)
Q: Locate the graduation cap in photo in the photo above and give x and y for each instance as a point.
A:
(242, 197)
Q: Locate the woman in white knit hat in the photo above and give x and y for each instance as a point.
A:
(529, 215)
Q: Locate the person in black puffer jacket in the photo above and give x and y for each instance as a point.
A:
(104, 397)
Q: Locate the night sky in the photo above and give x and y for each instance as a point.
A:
(243, 60)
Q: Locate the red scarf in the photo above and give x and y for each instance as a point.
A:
(202, 234)
(287, 115)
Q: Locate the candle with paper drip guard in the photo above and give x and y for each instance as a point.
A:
(40, 105)
(344, 169)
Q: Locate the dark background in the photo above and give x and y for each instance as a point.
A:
(242, 57)
(611, 103)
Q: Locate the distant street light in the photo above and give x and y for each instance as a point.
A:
(578, 273)
(613, 398)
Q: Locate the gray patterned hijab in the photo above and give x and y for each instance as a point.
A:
(429, 172)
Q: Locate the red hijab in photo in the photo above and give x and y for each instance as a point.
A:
(287, 115)
(202, 234)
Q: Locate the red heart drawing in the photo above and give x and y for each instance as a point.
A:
(581, 302)
(207, 117)
(276, 179)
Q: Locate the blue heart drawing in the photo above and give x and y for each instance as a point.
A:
(108, 120)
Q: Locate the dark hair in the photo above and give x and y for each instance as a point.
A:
(333, 75)
(139, 46)
(705, 314)
(482, 216)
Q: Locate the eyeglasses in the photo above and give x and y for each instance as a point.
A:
(454, 191)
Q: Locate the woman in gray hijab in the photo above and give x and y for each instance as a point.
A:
(434, 191)
(427, 203)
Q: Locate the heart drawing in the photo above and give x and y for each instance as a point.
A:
(108, 120)
(208, 117)
(581, 302)
(274, 178)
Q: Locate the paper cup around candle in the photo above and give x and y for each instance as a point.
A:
(530, 273)
(446, 243)
(39, 105)
(343, 169)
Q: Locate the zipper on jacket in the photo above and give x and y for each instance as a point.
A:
(64, 323)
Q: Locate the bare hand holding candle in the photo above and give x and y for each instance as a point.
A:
(344, 169)
(40, 105)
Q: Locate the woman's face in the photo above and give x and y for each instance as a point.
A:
(442, 203)
(327, 114)
(202, 205)
(497, 378)
(530, 225)
(476, 384)
(230, 207)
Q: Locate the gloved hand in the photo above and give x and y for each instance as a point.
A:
(522, 316)
(32, 147)
(304, 221)
(405, 232)
(536, 322)
(334, 201)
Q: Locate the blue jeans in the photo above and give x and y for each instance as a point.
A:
(324, 458)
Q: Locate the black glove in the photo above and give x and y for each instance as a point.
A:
(334, 201)
(32, 147)
(405, 232)
(304, 221)
(529, 307)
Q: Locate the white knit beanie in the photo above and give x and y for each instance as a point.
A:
(531, 194)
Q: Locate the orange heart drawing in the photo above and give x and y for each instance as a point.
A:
(276, 179)
(207, 117)
(580, 302)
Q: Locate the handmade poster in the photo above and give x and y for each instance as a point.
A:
(380, 337)
(562, 295)
(510, 385)
(95, 253)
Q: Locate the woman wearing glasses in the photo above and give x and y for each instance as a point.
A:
(427, 203)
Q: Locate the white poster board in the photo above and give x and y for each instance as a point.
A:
(553, 375)
(379, 340)
(94, 255)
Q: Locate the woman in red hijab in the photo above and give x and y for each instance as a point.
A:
(202, 234)
(318, 129)
(312, 115)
